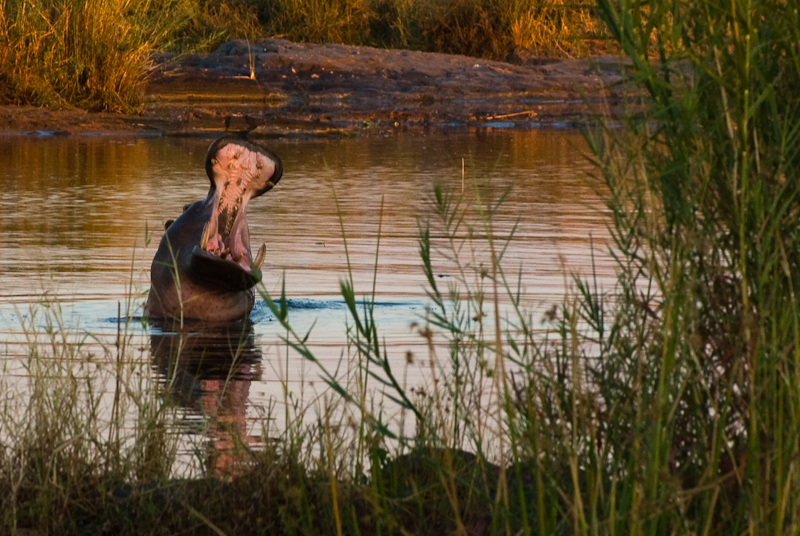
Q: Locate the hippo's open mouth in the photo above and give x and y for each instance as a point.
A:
(239, 171)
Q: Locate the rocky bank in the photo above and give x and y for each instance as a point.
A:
(274, 87)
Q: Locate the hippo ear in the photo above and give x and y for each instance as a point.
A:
(220, 150)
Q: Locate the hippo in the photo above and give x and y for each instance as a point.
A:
(203, 269)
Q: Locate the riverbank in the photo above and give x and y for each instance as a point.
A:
(274, 87)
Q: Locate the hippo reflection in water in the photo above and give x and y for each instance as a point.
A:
(203, 268)
(209, 373)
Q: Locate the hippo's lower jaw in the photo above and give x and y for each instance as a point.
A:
(203, 268)
(222, 260)
(211, 269)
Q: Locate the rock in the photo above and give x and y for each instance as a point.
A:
(338, 88)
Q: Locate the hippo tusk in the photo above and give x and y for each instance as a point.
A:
(206, 236)
(262, 253)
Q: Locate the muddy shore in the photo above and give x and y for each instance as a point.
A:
(278, 88)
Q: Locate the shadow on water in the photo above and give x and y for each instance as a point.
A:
(208, 370)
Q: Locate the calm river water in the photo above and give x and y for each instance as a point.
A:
(76, 213)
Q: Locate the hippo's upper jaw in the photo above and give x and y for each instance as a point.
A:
(208, 246)
(238, 171)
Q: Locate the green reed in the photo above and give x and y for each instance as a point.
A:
(670, 404)
(82, 422)
(666, 405)
(702, 366)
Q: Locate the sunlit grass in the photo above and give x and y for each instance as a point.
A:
(666, 405)
(93, 54)
(87, 53)
(492, 29)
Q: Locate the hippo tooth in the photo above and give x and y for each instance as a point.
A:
(206, 236)
(237, 258)
(262, 252)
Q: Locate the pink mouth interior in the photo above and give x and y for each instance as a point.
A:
(238, 173)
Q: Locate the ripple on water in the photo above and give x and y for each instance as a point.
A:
(82, 216)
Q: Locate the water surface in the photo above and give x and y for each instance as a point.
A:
(82, 216)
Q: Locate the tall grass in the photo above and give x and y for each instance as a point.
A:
(86, 53)
(667, 405)
(93, 53)
(79, 424)
(700, 362)
(492, 29)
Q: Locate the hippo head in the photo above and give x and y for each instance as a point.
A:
(203, 268)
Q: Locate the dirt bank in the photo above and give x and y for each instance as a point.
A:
(278, 88)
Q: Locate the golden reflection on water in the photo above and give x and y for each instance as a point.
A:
(77, 211)
(75, 208)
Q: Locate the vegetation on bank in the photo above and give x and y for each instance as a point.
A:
(668, 405)
(85, 53)
(93, 53)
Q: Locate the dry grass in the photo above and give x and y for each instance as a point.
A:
(483, 28)
(92, 53)
(85, 53)
(671, 406)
